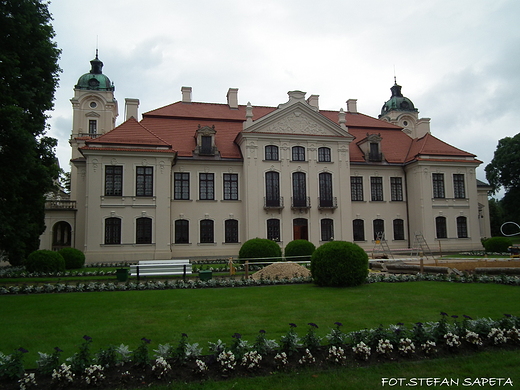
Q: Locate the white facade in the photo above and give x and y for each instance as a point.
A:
(198, 179)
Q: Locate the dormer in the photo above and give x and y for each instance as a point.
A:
(205, 141)
(371, 147)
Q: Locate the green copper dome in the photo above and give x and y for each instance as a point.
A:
(397, 102)
(95, 79)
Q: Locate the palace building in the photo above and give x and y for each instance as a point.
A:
(195, 179)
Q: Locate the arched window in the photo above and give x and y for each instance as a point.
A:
(207, 231)
(398, 229)
(324, 154)
(325, 188)
(272, 189)
(462, 227)
(231, 231)
(298, 153)
(113, 231)
(182, 231)
(379, 229)
(61, 235)
(358, 229)
(271, 153)
(143, 231)
(299, 189)
(273, 229)
(327, 229)
(440, 227)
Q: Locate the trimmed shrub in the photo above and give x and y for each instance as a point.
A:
(339, 264)
(259, 248)
(74, 258)
(300, 248)
(497, 244)
(45, 261)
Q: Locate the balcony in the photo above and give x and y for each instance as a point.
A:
(60, 205)
(301, 203)
(330, 203)
(375, 157)
(275, 203)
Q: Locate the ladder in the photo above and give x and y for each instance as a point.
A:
(382, 245)
(420, 246)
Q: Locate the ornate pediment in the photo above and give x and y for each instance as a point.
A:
(296, 122)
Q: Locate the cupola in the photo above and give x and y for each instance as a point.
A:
(397, 102)
(95, 80)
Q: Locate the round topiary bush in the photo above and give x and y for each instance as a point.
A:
(339, 264)
(45, 261)
(497, 244)
(259, 248)
(300, 248)
(74, 258)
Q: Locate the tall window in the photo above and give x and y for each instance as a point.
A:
(356, 188)
(324, 154)
(144, 181)
(206, 186)
(398, 229)
(231, 231)
(440, 227)
(273, 229)
(143, 231)
(358, 229)
(230, 186)
(181, 185)
(325, 182)
(298, 153)
(374, 154)
(207, 231)
(458, 186)
(396, 188)
(438, 185)
(379, 229)
(272, 189)
(299, 190)
(376, 188)
(462, 227)
(182, 231)
(112, 231)
(271, 153)
(92, 126)
(113, 180)
(327, 229)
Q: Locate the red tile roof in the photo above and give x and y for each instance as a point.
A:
(174, 126)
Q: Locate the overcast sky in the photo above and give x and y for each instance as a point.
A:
(457, 60)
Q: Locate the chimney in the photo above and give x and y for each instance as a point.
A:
(232, 98)
(131, 108)
(352, 106)
(186, 94)
(313, 101)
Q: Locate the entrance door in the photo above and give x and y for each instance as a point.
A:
(300, 229)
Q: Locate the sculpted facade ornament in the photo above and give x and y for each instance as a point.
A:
(296, 123)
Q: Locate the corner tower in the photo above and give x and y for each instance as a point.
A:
(401, 111)
(94, 105)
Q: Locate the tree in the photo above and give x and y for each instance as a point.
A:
(504, 171)
(28, 80)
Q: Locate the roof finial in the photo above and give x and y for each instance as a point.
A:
(395, 77)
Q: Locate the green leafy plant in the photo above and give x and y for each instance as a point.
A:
(339, 264)
(259, 248)
(140, 356)
(301, 248)
(49, 362)
(12, 366)
(45, 261)
(82, 359)
(497, 244)
(311, 340)
(74, 258)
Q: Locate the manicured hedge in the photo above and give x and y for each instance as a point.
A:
(259, 248)
(74, 258)
(45, 261)
(300, 248)
(339, 264)
(497, 244)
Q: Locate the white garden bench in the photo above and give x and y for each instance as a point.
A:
(161, 268)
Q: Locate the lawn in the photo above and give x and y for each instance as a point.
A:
(42, 322)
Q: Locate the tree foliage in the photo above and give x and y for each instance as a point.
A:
(504, 169)
(28, 166)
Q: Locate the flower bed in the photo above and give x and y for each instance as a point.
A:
(119, 367)
(242, 282)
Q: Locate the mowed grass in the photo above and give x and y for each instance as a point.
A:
(42, 322)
